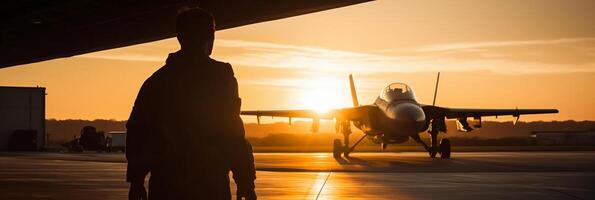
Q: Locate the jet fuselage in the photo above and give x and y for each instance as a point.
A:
(396, 116)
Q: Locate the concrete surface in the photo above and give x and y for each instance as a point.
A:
(493, 175)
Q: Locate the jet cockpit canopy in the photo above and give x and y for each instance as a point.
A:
(396, 92)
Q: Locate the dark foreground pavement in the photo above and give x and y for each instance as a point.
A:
(493, 175)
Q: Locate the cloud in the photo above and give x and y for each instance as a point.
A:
(489, 44)
(273, 55)
(571, 54)
(556, 57)
(565, 55)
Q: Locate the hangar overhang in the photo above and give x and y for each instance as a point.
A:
(38, 30)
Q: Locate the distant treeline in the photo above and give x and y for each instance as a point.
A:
(298, 134)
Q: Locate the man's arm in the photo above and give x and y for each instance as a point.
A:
(136, 137)
(242, 164)
(241, 156)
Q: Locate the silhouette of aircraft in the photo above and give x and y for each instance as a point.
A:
(395, 117)
(38, 30)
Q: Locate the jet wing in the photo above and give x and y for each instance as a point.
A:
(352, 113)
(290, 113)
(466, 112)
(456, 113)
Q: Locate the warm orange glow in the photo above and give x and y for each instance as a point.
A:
(323, 94)
(518, 58)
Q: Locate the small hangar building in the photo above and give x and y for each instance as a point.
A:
(22, 118)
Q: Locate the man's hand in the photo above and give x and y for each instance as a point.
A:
(247, 194)
(137, 191)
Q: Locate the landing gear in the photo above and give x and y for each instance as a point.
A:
(444, 148)
(337, 148)
(434, 148)
(434, 143)
(345, 149)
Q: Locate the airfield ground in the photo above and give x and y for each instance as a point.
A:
(468, 175)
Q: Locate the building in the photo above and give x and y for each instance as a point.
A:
(582, 137)
(22, 118)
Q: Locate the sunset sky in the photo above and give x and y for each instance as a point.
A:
(492, 54)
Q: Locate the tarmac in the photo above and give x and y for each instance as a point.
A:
(482, 175)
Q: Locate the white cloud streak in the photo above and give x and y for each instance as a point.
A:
(265, 54)
(491, 44)
(423, 59)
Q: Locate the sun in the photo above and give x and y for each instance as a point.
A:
(320, 100)
(324, 94)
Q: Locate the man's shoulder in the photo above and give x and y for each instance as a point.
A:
(226, 67)
(160, 73)
(157, 77)
(212, 67)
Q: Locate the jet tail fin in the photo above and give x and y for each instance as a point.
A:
(436, 89)
(353, 93)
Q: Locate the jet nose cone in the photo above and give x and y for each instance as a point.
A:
(407, 112)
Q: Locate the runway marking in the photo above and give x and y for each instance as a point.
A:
(323, 184)
(565, 193)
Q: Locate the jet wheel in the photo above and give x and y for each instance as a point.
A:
(444, 148)
(337, 148)
(432, 153)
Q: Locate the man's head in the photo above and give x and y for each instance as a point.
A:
(196, 30)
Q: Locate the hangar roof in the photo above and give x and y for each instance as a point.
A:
(38, 30)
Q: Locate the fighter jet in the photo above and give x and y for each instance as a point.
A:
(395, 117)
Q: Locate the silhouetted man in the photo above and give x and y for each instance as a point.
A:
(185, 127)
